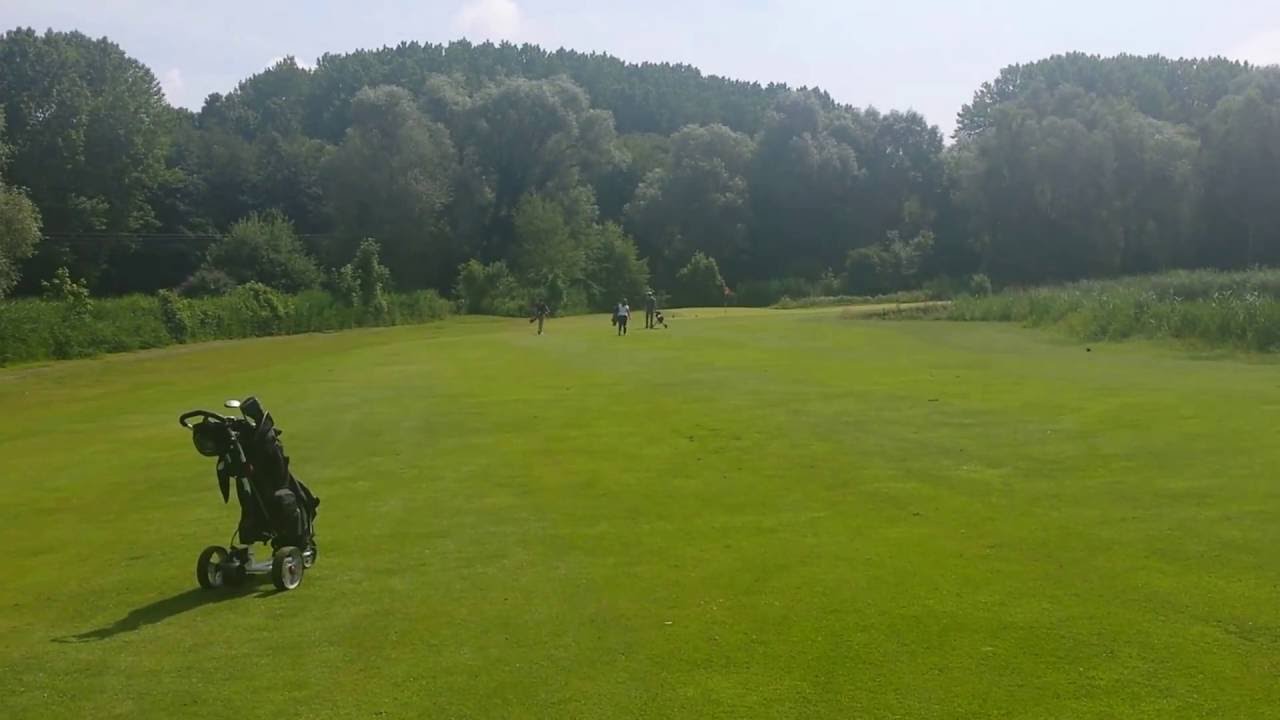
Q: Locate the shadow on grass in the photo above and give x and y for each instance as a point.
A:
(162, 610)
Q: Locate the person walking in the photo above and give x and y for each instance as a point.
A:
(622, 314)
(650, 311)
(540, 312)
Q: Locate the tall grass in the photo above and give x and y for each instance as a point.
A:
(33, 330)
(1220, 309)
(765, 293)
(906, 296)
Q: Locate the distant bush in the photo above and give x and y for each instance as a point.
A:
(263, 311)
(365, 281)
(699, 284)
(1225, 309)
(55, 328)
(946, 288)
(416, 307)
(19, 228)
(73, 309)
(207, 282)
(763, 293)
(614, 269)
(176, 314)
(593, 278)
(490, 290)
(889, 266)
(264, 249)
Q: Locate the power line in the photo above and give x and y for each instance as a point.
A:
(151, 238)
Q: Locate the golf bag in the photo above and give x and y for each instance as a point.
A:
(275, 506)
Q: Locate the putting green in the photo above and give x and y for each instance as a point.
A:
(768, 514)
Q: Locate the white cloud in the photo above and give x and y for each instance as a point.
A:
(173, 85)
(1262, 48)
(488, 19)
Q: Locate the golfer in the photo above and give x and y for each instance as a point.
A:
(540, 313)
(650, 311)
(622, 315)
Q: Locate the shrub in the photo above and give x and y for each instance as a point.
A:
(176, 315)
(417, 307)
(264, 249)
(365, 281)
(38, 329)
(699, 284)
(19, 232)
(262, 310)
(764, 293)
(207, 282)
(889, 266)
(491, 290)
(946, 288)
(614, 269)
(979, 285)
(320, 311)
(480, 287)
(124, 324)
(26, 330)
(74, 314)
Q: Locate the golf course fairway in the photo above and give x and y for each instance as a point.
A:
(753, 514)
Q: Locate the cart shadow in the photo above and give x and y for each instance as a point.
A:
(162, 610)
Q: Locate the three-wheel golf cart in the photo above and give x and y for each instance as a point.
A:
(275, 507)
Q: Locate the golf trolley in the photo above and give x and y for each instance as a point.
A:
(275, 507)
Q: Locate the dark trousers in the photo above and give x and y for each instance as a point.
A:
(622, 324)
(541, 319)
(648, 319)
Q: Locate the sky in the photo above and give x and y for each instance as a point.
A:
(926, 55)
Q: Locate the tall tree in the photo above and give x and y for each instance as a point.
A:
(1077, 187)
(534, 136)
(19, 225)
(87, 125)
(1240, 162)
(804, 191)
(698, 201)
(1181, 91)
(391, 179)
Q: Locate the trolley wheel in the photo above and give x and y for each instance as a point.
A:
(309, 561)
(209, 567)
(287, 568)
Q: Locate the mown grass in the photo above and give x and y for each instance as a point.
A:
(1239, 310)
(753, 514)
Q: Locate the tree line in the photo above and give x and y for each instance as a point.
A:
(493, 172)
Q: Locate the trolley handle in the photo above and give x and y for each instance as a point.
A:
(185, 419)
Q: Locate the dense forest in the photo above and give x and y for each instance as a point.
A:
(494, 172)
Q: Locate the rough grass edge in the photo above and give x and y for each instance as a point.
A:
(910, 296)
(38, 330)
(926, 310)
(1216, 309)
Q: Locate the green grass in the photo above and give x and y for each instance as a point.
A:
(33, 329)
(1208, 308)
(754, 514)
